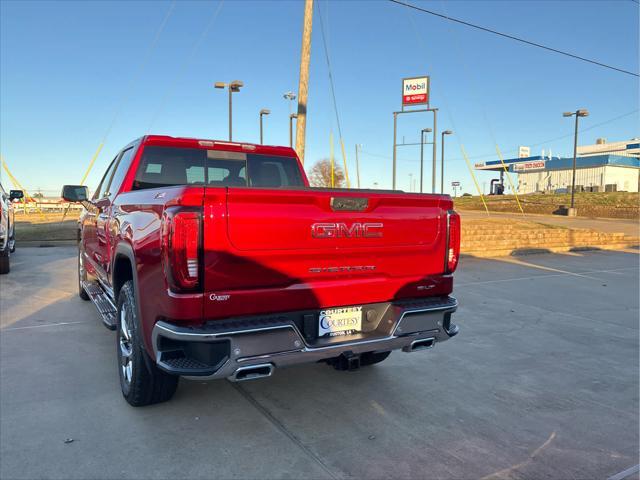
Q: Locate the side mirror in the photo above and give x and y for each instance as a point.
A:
(75, 193)
(15, 194)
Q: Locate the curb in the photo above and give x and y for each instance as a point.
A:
(513, 252)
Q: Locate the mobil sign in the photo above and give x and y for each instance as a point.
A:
(415, 90)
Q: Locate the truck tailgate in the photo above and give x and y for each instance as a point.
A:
(281, 250)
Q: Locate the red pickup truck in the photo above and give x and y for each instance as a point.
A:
(214, 259)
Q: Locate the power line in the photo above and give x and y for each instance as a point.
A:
(544, 142)
(140, 69)
(333, 95)
(185, 64)
(326, 53)
(515, 149)
(505, 35)
(128, 90)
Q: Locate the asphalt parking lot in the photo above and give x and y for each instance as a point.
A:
(542, 382)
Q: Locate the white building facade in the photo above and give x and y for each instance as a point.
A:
(602, 167)
(603, 178)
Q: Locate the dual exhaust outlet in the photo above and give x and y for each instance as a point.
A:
(422, 344)
(254, 372)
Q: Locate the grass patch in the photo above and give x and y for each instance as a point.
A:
(45, 227)
(605, 204)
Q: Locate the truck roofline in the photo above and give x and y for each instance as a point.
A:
(211, 144)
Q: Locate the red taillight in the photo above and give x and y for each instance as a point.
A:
(453, 241)
(182, 237)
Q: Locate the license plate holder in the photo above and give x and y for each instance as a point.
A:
(335, 322)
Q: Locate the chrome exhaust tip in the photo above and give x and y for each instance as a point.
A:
(252, 372)
(422, 344)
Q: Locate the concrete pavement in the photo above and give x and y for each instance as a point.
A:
(542, 382)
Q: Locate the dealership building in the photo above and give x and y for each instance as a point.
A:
(603, 167)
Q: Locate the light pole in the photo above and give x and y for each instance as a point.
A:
(435, 155)
(578, 114)
(233, 86)
(422, 132)
(358, 146)
(291, 97)
(446, 132)
(264, 111)
(291, 117)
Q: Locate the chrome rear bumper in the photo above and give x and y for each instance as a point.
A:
(255, 349)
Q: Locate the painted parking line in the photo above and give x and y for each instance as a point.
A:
(42, 326)
(625, 473)
(535, 277)
(522, 263)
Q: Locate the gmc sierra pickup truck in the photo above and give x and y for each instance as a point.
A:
(214, 259)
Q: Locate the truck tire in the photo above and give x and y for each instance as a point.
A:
(82, 276)
(371, 358)
(142, 382)
(4, 259)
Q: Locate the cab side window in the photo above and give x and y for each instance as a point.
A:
(102, 187)
(121, 170)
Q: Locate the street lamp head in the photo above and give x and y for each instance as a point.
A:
(235, 85)
(427, 130)
(583, 113)
(265, 111)
(220, 85)
(567, 114)
(447, 132)
(290, 96)
(293, 115)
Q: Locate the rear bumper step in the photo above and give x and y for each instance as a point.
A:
(247, 349)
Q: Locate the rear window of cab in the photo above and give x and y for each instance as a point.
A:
(171, 166)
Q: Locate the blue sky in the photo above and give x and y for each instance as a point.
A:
(67, 69)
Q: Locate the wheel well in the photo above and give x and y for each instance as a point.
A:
(122, 272)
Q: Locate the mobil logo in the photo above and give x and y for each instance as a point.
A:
(415, 87)
(415, 90)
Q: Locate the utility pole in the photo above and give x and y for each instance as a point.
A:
(303, 86)
(357, 165)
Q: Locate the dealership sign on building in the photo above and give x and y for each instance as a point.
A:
(415, 91)
(525, 166)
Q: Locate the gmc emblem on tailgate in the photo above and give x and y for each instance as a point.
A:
(343, 230)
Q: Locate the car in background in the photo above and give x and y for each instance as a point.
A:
(7, 229)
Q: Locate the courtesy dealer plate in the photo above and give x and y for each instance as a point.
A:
(340, 321)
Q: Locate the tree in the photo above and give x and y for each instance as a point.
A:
(320, 174)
